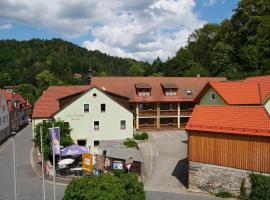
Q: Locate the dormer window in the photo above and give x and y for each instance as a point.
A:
(169, 89)
(189, 92)
(170, 92)
(143, 89)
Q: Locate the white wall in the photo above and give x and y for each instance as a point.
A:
(4, 115)
(82, 124)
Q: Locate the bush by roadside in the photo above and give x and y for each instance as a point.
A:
(130, 143)
(142, 136)
(106, 187)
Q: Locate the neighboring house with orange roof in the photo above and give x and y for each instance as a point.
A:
(4, 118)
(225, 144)
(157, 102)
(231, 93)
(13, 109)
(93, 114)
(24, 110)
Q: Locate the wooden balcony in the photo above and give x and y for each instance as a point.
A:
(186, 112)
(147, 126)
(168, 112)
(143, 113)
(168, 126)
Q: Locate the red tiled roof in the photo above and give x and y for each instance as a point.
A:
(126, 86)
(238, 93)
(264, 83)
(242, 120)
(48, 103)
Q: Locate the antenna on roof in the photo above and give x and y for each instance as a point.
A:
(89, 78)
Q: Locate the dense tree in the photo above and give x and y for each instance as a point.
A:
(65, 138)
(28, 91)
(105, 187)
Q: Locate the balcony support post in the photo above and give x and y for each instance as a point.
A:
(178, 115)
(158, 115)
(137, 116)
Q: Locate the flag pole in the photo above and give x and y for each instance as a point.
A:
(42, 162)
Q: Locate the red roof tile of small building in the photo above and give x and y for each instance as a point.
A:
(48, 103)
(238, 93)
(264, 83)
(240, 120)
(126, 86)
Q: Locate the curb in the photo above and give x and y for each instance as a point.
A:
(37, 170)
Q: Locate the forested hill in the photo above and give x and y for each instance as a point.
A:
(235, 48)
(23, 61)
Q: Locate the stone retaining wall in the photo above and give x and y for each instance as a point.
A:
(212, 178)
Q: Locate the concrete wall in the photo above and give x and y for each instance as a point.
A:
(82, 123)
(212, 178)
(206, 98)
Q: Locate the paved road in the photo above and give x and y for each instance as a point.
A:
(29, 184)
(165, 160)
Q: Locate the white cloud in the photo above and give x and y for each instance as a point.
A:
(209, 3)
(6, 26)
(141, 29)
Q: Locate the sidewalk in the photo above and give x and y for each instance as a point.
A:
(36, 165)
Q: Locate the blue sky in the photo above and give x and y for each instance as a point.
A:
(142, 29)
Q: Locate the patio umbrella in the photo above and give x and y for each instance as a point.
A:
(67, 161)
(74, 150)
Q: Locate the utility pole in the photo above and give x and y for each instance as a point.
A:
(42, 162)
(14, 166)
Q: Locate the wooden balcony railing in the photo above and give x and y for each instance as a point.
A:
(186, 112)
(168, 126)
(147, 126)
(168, 112)
(147, 113)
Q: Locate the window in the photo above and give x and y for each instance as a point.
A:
(123, 124)
(86, 108)
(213, 96)
(96, 125)
(189, 92)
(170, 92)
(103, 107)
(81, 142)
(144, 92)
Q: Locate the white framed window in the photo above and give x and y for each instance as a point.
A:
(123, 124)
(144, 92)
(103, 107)
(96, 125)
(213, 96)
(170, 92)
(86, 108)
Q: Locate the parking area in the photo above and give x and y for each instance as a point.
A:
(165, 161)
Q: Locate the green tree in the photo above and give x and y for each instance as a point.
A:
(5, 79)
(65, 138)
(28, 91)
(105, 187)
(46, 79)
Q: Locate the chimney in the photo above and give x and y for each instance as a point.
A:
(198, 75)
(89, 78)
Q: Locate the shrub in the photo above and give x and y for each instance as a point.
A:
(142, 136)
(224, 194)
(260, 187)
(130, 143)
(107, 186)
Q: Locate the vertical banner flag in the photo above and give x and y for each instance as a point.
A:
(55, 139)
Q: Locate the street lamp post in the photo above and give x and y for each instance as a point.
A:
(42, 162)
(54, 172)
(14, 166)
